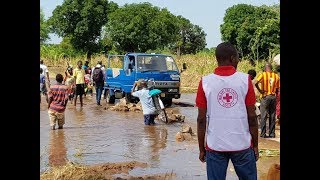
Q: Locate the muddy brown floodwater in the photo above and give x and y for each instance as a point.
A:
(93, 135)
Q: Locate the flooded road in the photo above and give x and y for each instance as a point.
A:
(93, 135)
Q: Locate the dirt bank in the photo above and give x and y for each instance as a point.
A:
(101, 172)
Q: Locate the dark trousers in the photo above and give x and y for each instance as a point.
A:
(268, 106)
(244, 163)
(79, 89)
(149, 119)
(105, 94)
(99, 89)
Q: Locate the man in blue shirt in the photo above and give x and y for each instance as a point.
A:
(148, 109)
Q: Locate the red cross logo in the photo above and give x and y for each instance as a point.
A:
(227, 97)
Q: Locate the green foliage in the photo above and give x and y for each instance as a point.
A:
(101, 26)
(81, 21)
(191, 38)
(140, 27)
(58, 51)
(254, 30)
(44, 29)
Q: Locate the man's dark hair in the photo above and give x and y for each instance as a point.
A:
(41, 61)
(79, 62)
(252, 73)
(225, 50)
(86, 62)
(41, 70)
(59, 78)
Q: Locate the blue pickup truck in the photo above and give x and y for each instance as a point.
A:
(132, 67)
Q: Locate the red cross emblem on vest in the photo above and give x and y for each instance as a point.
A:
(227, 97)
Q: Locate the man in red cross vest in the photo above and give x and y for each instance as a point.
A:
(226, 115)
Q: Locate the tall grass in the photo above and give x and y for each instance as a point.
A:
(198, 65)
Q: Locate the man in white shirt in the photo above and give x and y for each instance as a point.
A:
(45, 70)
(148, 109)
(45, 73)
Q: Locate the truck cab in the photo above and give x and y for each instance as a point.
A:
(132, 67)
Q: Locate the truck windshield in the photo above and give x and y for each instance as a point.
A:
(156, 63)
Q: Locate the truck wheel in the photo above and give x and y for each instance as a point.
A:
(110, 99)
(167, 102)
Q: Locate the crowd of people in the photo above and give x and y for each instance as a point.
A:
(77, 82)
(267, 91)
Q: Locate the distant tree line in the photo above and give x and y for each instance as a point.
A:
(94, 26)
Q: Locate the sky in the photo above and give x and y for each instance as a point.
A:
(208, 14)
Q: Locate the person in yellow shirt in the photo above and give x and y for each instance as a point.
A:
(270, 84)
(78, 74)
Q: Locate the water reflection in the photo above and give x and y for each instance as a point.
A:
(157, 139)
(57, 149)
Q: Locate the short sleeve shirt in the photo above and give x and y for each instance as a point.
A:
(78, 74)
(146, 101)
(44, 68)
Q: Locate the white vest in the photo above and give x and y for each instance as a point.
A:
(228, 128)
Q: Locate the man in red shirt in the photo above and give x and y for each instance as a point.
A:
(226, 115)
(58, 99)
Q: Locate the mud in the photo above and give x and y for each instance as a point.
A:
(106, 171)
(93, 135)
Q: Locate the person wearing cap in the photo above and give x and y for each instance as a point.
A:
(98, 79)
(148, 109)
(270, 84)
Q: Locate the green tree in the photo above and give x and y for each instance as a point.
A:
(44, 29)
(191, 38)
(141, 27)
(81, 21)
(254, 30)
